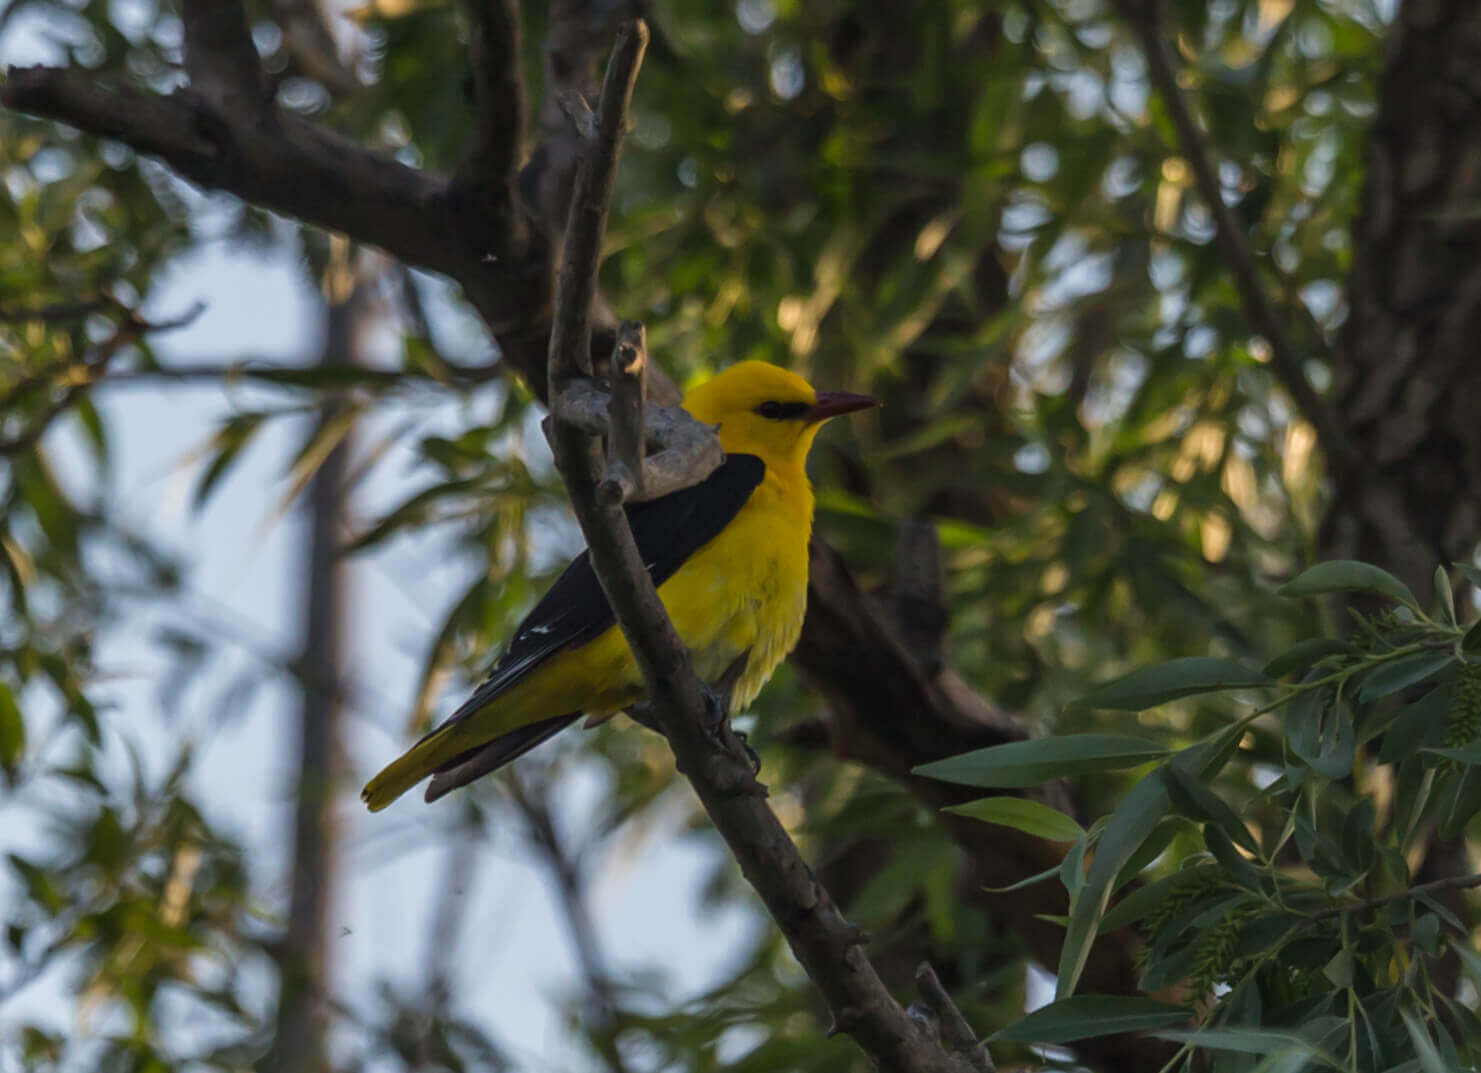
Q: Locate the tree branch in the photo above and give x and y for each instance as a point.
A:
(952, 1027)
(491, 159)
(566, 869)
(78, 376)
(1145, 17)
(1434, 887)
(290, 165)
(219, 56)
(710, 755)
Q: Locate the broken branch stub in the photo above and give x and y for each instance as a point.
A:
(682, 450)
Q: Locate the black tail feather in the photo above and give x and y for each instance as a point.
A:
(479, 761)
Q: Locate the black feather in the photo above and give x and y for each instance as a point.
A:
(480, 760)
(574, 610)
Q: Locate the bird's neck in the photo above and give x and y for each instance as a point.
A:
(788, 481)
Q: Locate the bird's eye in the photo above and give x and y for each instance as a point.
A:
(783, 411)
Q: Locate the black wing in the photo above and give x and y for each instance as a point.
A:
(667, 531)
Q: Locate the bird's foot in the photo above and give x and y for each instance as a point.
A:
(752, 756)
(717, 709)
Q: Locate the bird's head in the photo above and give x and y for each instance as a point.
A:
(766, 411)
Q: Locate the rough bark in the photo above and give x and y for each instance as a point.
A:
(1406, 373)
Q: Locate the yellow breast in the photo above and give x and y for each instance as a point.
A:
(745, 592)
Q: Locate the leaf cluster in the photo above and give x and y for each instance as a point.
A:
(1269, 862)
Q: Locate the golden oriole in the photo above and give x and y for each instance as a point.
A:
(729, 557)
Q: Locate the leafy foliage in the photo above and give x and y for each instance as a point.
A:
(1267, 862)
(975, 210)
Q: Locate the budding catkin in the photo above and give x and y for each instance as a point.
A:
(1464, 720)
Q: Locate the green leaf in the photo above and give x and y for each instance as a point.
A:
(1027, 881)
(1469, 755)
(1470, 961)
(1029, 763)
(1193, 798)
(1420, 723)
(1021, 814)
(12, 731)
(1347, 575)
(1134, 820)
(1397, 674)
(1424, 1047)
(1471, 642)
(228, 443)
(1235, 866)
(1089, 1016)
(1148, 687)
(1320, 731)
(1444, 596)
(1143, 900)
(1304, 654)
(1243, 1040)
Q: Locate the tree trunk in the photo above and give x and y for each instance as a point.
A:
(1405, 488)
(303, 959)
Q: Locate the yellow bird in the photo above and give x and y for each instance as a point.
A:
(729, 557)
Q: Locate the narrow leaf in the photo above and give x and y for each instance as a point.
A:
(1401, 673)
(1424, 1047)
(1148, 687)
(1088, 1016)
(1243, 1040)
(12, 731)
(1028, 763)
(1134, 820)
(1347, 575)
(1444, 596)
(1030, 817)
(1306, 653)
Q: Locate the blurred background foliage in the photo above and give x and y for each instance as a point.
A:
(977, 211)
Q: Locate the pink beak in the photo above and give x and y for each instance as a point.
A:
(834, 403)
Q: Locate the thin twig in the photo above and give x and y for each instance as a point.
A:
(1448, 883)
(570, 880)
(59, 312)
(1146, 17)
(80, 376)
(953, 1028)
(706, 751)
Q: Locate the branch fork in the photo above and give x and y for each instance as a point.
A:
(713, 759)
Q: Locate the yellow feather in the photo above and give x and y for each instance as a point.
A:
(743, 593)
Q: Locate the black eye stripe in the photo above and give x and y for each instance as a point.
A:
(783, 411)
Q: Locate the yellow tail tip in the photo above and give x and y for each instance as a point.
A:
(375, 797)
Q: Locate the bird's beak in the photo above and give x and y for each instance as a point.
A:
(834, 403)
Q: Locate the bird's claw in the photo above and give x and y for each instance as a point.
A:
(717, 709)
(752, 756)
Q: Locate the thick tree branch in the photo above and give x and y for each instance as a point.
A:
(1146, 17)
(707, 752)
(219, 57)
(485, 179)
(290, 165)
